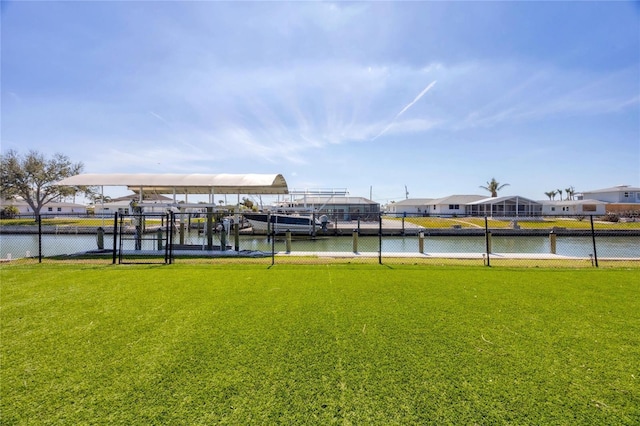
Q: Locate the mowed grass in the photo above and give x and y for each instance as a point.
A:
(545, 223)
(318, 344)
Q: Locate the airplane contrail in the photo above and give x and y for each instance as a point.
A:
(409, 105)
(416, 99)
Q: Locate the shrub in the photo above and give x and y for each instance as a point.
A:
(610, 217)
(9, 212)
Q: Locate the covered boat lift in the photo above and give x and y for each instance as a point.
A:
(185, 184)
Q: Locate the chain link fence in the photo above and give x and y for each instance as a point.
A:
(558, 241)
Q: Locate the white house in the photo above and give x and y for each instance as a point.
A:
(123, 205)
(573, 207)
(53, 207)
(451, 205)
(411, 206)
(621, 194)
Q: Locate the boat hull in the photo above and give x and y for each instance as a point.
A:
(282, 223)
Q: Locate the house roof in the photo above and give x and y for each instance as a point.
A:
(451, 199)
(458, 199)
(334, 200)
(496, 200)
(185, 183)
(617, 188)
(414, 202)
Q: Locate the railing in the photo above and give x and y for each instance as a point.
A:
(563, 241)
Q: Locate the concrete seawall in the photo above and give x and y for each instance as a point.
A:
(347, 229)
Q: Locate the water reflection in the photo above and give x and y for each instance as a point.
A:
(24, 245)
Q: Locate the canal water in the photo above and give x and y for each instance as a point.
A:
(18, 246)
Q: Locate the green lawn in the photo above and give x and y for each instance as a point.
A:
(318, 344)
(543, 223)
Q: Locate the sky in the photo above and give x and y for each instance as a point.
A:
(383, 99)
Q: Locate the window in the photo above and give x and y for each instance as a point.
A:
(589, 208)
(454, 206)
(59, 209)
(553, 209)
(626, 195)
(49, 209)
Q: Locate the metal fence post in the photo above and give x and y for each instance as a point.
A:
(115, 237)
(380, 238)
(487, 236)
(169, 245)
(236, 236)
(273, 248)
(593, 238)
(39, 238)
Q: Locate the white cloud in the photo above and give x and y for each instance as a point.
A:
(550, 92)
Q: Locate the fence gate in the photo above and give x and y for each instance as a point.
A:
(145, 238)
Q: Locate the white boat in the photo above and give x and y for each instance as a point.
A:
(281, 222)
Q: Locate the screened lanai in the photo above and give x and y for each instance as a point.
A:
(507, 206)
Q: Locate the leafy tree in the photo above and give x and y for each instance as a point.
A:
(494, 186)
(33, 178)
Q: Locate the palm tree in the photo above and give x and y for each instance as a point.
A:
(560, 193)
(569, 191)
(494, 186)
(550, 194)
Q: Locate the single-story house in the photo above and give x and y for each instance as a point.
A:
(53, 207)
(475, 205)
(410, 206)
(573, 207)
(451, 205)
(123, 205)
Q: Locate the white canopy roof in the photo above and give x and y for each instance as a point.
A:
(185, 183)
